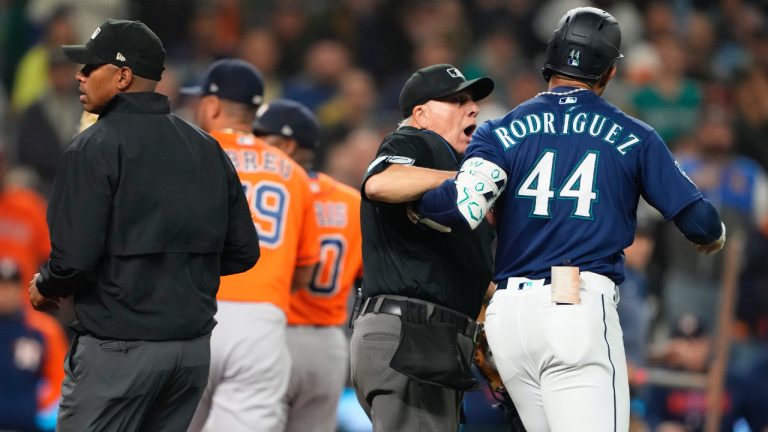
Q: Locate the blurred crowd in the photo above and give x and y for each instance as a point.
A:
(695, 70)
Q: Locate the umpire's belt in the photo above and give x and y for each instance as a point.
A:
(394, 305)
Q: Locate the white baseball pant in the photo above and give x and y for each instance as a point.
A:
(563, 365)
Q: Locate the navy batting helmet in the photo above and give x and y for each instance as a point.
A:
(584, 45)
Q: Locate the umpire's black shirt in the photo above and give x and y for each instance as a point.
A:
(145, 214)
(402, 258)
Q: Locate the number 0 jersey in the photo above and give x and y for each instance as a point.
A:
(337, 210)
(278, 195)
(576, 166)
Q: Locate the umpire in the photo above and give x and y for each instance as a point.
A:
(145, 214)
(412, 343)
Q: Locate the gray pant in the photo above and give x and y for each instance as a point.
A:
(250, 369)
(393, 401)
(320, 357)
(115, 385)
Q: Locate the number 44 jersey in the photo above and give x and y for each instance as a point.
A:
(576, 166)
(281, 205)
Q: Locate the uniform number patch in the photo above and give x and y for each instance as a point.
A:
(579, 186)
(325, 280)
(269, 206)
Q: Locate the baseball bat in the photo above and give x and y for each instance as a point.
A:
(734, 249)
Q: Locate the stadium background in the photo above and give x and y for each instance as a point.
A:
(695, 70)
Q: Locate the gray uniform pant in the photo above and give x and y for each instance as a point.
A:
(391, 400)
(116, 385)
(250, 368)
(319, 356)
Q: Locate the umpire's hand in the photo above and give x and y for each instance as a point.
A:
(39, 301)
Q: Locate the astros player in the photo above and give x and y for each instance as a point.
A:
(250, 362)
(24, 239)
(565, 170)
(316, 341)
(32, 351)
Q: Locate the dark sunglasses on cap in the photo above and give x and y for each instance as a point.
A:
(88, 69)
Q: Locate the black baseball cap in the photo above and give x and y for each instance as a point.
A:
(9, 270)
(288, 119)
(122, 43)
(232, 79)
(437, 81)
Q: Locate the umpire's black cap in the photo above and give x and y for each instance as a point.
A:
(288, 119)
(122, 43)
(232, 79)
(437, 81)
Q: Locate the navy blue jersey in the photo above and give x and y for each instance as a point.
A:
(21, 359)
(576, 166)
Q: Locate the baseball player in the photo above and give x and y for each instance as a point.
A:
(32, 351)
(565, 170)
(317, 344)
(250, 362)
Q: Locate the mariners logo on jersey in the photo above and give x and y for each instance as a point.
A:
(682, 171)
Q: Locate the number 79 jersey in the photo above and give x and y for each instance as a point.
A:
(280, 200)
(576, 166)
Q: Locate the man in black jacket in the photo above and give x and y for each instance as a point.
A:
(146, 213)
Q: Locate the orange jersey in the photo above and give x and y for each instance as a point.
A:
(281, 205)
(55, 351)
(324, 302)
(23, 230)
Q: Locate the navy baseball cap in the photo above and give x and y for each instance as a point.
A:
(232, 79)
(437, 81)
(9, 271)
(122, 43)
(288, 119)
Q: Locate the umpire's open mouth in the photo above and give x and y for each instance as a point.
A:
(469, 129)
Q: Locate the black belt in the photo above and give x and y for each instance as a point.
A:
(393, 306)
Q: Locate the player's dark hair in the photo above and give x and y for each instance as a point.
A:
(602, 81)
(238, 111)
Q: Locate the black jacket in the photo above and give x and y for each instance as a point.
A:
(146, 213)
